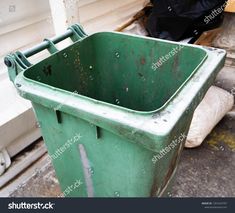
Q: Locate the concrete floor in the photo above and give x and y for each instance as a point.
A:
(207, 171)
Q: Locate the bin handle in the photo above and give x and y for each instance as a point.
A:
(18, 62)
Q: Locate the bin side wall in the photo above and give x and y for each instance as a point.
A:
(114, 166)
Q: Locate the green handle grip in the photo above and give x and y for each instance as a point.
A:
(17, 62)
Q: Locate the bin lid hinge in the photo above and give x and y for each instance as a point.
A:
(78, 32)
(51, 47)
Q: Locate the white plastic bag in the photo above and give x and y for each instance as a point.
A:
(216, 103)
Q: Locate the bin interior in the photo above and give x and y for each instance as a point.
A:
(118, 69)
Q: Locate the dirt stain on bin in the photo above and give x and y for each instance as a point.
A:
(142, 61)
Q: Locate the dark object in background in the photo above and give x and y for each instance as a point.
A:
(179, 19)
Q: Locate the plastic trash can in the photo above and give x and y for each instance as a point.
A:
(115, 109)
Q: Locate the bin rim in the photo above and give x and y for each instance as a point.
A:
(150, 112)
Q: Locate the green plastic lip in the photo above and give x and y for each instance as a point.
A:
(120, 107)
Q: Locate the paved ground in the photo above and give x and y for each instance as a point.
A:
(209, 171)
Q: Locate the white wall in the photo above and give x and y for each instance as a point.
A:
(101, 15)
(23, 22)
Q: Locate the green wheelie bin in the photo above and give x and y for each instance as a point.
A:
(114, 109)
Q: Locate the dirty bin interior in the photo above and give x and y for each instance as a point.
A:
(118, 69)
